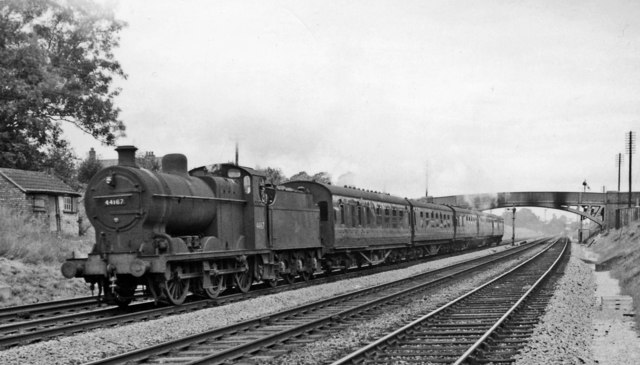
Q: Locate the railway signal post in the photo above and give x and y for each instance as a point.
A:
(513, 227)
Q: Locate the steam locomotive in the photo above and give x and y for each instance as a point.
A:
(219, 226)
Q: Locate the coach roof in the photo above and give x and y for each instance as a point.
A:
(352, 192)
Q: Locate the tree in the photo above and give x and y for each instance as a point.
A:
(321, 177)
(147, 161)
(274, 175)
(61, 162)
(56, 66)
(302, 175)
(88, 168)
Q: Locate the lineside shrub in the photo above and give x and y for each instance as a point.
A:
(25, 238)
(622, 248)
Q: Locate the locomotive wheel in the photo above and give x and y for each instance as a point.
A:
(305, 275)
(217, 288)
(243, 281)
(289, 278)
(176, 290)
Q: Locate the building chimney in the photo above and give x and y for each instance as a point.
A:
(92, 154)
(127, 156)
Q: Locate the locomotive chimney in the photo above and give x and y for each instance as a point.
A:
(127, 156)
(174, 163)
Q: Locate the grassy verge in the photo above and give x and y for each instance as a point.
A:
(620, 249)
(30, 260)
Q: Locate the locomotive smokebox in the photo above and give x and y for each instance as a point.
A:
(127, 156)
(174, 163)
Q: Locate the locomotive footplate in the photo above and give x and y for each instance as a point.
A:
(212, 255)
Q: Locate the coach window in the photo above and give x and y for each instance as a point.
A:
(394, 220)
(402, 218)
(386, 217)
(359, 215)
(354, 217)
(371, 216)
(341, 213)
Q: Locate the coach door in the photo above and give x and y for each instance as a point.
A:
(325, 222)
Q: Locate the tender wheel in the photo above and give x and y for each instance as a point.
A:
(218, 287)
(243, 281)
(176, 289)
(272, 282)
(346, 265)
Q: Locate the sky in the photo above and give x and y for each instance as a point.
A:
(459, 97)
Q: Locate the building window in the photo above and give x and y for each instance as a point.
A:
(39, 205)
(69, 206)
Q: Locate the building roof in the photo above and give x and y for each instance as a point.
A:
(36, 182)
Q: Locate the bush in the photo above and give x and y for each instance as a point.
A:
(29, 240)
(622, 247)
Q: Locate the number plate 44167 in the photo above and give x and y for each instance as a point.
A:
(111, 202)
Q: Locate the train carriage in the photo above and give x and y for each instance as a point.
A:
(359, 226)
(433, 223)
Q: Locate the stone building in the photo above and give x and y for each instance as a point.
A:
(43, 195)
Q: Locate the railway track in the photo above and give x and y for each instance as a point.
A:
(487, 325)
(264, 336)
(36, 322)
(45, 309)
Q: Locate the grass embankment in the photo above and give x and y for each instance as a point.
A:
(30, 260)
(619, 250)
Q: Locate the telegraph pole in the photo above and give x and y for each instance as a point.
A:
(631, 149)
(619, 159)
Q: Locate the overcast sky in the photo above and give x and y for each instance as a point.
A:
(481, 96)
